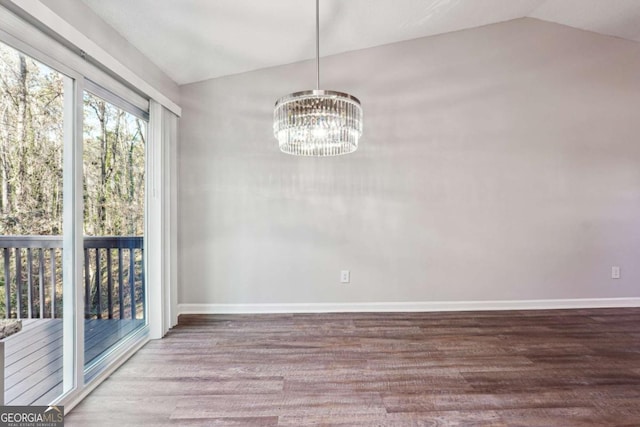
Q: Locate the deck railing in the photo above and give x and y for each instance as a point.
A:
(31, 276)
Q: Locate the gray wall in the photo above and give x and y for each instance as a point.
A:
(499, 163)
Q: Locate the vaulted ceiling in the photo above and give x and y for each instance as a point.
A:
(193, 40)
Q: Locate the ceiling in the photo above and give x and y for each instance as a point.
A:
(193, 40)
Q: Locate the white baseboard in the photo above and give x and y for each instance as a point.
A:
(547, 304)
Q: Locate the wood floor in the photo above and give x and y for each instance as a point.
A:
(518, 368)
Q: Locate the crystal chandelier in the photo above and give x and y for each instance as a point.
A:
(317, 122)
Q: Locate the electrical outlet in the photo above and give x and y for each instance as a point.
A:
(345, 276)
(615, 272)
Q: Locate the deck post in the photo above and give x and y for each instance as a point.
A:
(41, 282)
(132, 281)
(18, 284)
(7, 284)
(98, 274)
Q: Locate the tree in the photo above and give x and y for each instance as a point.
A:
(31, 157)
(114, 147)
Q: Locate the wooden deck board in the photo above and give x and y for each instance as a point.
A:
(109, 334)
(36, 384)
(33, 357)
(43, 339)
(49, 396)
(32, 339)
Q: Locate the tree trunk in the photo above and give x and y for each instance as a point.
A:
(6, 166)
(100, 203)
(21, 125)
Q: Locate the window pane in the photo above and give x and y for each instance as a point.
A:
(31, 209)
(31, 139)
(114, 180)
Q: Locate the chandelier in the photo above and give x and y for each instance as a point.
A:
(317, 122)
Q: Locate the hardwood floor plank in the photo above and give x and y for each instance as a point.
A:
(545, 417)
(429, 402)
(295, 404)
(339, 420)
(479, 418)
(123, 410)
(508, 368)
(189, 386)
(544, 379)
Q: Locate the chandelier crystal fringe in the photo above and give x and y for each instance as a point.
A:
(317, 122)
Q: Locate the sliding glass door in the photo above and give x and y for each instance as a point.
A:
(114, 142)
(73, 168)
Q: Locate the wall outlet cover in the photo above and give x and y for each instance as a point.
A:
(345, 276)
(615, 272)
